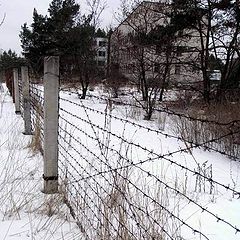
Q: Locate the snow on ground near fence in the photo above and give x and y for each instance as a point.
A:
(25, 212)
(79, 117)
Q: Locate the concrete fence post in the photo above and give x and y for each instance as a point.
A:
(16, 91)
(26, 101)
(51, 112)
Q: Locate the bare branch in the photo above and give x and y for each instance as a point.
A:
(96, 9)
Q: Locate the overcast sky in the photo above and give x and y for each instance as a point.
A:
(20, 11)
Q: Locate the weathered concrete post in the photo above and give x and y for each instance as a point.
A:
(26, 101)
(16, 91)
(51, 111)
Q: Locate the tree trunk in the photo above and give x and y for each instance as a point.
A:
(206, 87)
(161, 93)
(84, 92)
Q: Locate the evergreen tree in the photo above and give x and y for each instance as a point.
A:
(101, 33)
(49, 35)
(63, 14)
(35, 40)
(9, 60)
(65, 34)
(81, 49)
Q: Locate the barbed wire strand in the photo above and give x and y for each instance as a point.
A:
(126, 179)
(167, 185)
(150, 129)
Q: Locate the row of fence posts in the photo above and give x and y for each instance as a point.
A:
(51, 113)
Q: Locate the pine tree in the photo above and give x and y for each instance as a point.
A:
(81, 49)
(9, 60)
(62, 19)
(49, 35)
(65, 34)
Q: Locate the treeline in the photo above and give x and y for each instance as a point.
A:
(215, 25)
(9, 60)
(66, 33)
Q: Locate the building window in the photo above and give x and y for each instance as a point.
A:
(177, 69)
(101, 53)
(102, 43)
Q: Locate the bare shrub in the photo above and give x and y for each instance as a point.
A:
(116, 200)
(198, 131)
(115, 80)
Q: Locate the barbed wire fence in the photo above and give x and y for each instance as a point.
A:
(20, 91)
(120, 179)
(200, 129)
(37, 117)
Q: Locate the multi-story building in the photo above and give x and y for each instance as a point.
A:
(171, 59)
(101, 45)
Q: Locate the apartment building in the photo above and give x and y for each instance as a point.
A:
(131, 49)
(101, 45)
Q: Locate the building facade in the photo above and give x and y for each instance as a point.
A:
(101, 45)
(138, 49)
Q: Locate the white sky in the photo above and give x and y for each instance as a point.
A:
(20, 11)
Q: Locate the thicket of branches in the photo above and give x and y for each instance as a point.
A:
(68, 34)
(166, 29)
(169, 27)
(9, 60)
(217, 23)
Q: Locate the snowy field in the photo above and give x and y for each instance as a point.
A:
(25, 212)
(117, 148)
(112, 170)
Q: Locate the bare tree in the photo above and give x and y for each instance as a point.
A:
(82, 54)
(144, 45)
(115, 80)
(225, 41)
(96, 8)
(134, 43)
(216, 24)
(82, 47)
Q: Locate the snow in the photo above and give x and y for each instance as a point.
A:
(26, 213)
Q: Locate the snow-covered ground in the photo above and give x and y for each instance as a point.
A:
(92, 145)
(25, 212)
(200, 204)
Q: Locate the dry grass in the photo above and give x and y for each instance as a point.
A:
(36, 142)
(199, 132)
(25, 212)
(121, 204)
(120, 211)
